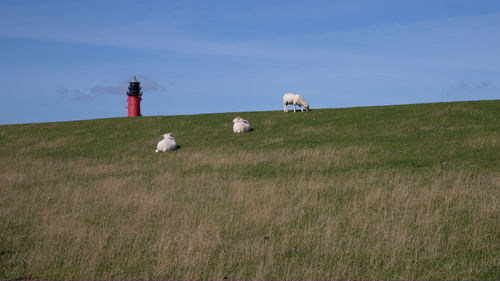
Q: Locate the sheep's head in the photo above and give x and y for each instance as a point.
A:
(167, 135)
(306, 106)
(237, 119)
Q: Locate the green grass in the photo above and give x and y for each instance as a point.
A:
(395, 192)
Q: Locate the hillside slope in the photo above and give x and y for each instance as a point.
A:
(395, 192)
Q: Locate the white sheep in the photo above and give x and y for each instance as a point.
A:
(240, 125)
(294, 99)
(167, 143)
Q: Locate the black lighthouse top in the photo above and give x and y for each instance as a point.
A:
(134, 89)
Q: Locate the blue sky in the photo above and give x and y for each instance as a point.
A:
(71, 60)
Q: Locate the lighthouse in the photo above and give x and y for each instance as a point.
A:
(134, 98)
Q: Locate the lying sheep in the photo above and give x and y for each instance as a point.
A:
(240, 125)
(167, 143)
(294, 99)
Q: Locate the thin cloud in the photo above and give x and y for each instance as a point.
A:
(464, 86)
(484, 84)
(463, 89)
(147, 84)
(73, 94)
(113, 90)
(150, 85)
(461, 86)
(153, 34)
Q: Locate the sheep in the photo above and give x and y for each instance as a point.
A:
(240, 125)
(294, 99)
(167, 143)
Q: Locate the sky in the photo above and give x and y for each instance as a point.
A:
(72, 60)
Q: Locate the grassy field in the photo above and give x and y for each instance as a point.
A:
(396, 192)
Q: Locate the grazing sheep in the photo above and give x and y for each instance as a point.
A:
(294, 99)
(240, 125)
(167, 143)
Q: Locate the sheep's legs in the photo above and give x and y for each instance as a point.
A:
(284, 108)
(294, 107)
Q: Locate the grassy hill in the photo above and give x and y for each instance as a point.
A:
(395, 192)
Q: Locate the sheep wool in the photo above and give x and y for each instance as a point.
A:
(290, 98)
(166, 144)
(240, 125)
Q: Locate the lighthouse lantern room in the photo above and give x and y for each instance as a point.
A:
(134, 98)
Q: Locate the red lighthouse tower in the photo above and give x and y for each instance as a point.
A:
(134, 98)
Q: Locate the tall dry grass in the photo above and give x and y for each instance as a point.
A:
(213, 216)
